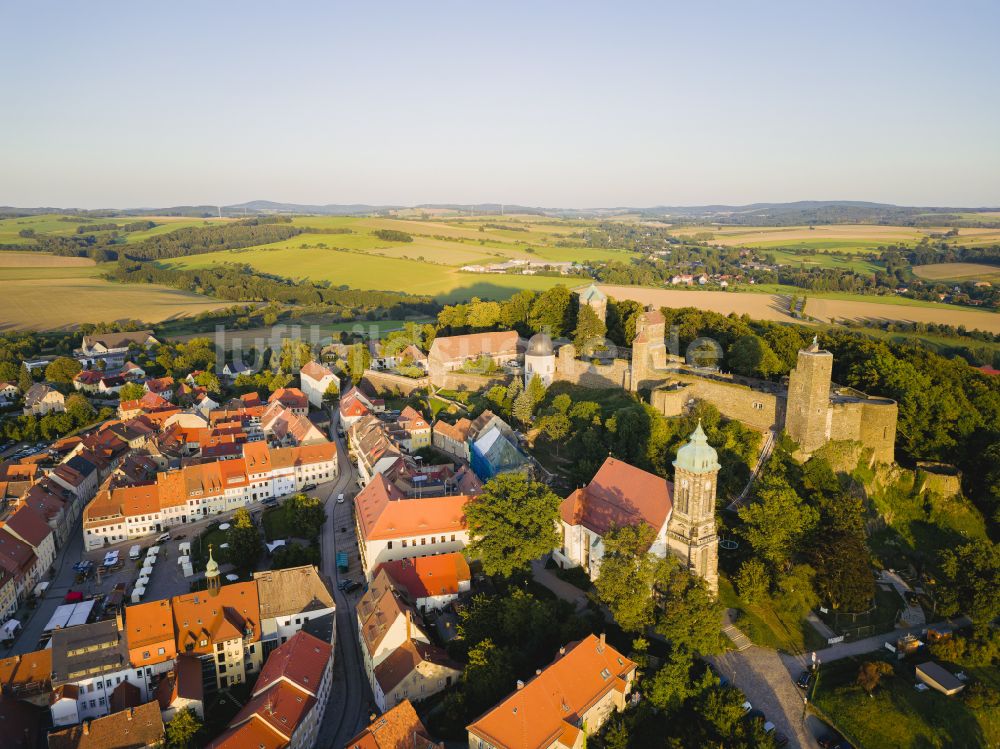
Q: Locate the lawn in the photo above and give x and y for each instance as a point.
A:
(958, 272)
(897, 715)
(199, 548)
(769, 627)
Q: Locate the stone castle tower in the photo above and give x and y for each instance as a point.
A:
(596, 299)
(691, 532)
(808, 414)
(649, 349)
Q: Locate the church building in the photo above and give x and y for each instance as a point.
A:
(681, 513)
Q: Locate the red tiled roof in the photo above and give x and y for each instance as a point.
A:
(29, 525)
(534, 716)
(399, 728)
(424, 577)
(619, 494)
(301, 660)
(458, 347)
(383, 513)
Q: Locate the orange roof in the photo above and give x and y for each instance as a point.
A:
(138, 500)
(383, 513)
(290, 397)
(399, 728)
(301, 660)
(25, 669)
(459, 431)
(424, 577)
(253, 733)
(173, 491)
(619, 494)
(257, 456)
(29, 525)
(457, 347)
(534, 716)
(315, 370)
(201, 617)
(148, 624)
(405, 659)
(282, 707)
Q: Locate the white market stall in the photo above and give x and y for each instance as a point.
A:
(69, 614)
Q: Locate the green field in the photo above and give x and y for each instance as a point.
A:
(897, 715)
(824, 259)
(364, 271)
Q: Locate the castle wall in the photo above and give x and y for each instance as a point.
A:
(878, 428)
(756, 409)
(467, 382)
(598, 376)
(385, 382)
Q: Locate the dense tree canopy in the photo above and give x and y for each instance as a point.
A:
(511, 523)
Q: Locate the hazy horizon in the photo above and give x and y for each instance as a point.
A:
(561, 105)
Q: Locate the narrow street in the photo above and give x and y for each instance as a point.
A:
(351, 700)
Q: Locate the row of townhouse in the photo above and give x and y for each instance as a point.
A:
(196, 491)
(289, 698)
(175, 651)
(399, 658)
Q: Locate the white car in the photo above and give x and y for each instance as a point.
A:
(747, 707)
(340, 499)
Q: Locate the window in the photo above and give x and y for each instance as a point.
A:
(389, 545)
(160, 651)
(404, 544)
(222, 669)
(220, 646)
(145, 655)
(423, 542)
(100, 700)
(452, 536)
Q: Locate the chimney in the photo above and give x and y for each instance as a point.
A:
(129, 713)
(372, 717)
(409, 624)
(86, 728)
(562, 650)
(520, 685)
(538, 672)
(600, 648)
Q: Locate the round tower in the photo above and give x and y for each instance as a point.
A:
(691, 531)
(539, 359)
(212, 578)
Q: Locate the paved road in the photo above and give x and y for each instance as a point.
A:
(351, 701)
(54, 596)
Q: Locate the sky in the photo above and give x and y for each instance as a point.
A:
(545, 103)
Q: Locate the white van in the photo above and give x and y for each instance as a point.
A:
(133, 553)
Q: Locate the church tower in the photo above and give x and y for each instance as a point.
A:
(212, 579)
(691, 531)
(596, 299)
(808, 415)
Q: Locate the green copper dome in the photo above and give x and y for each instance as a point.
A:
(697, 456)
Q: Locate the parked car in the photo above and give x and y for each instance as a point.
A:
(163, 537)
(353, 586)
(344, 583)
(780, 740)
(340, 499)
(308, 487)
(804, 679)
(747, 707)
